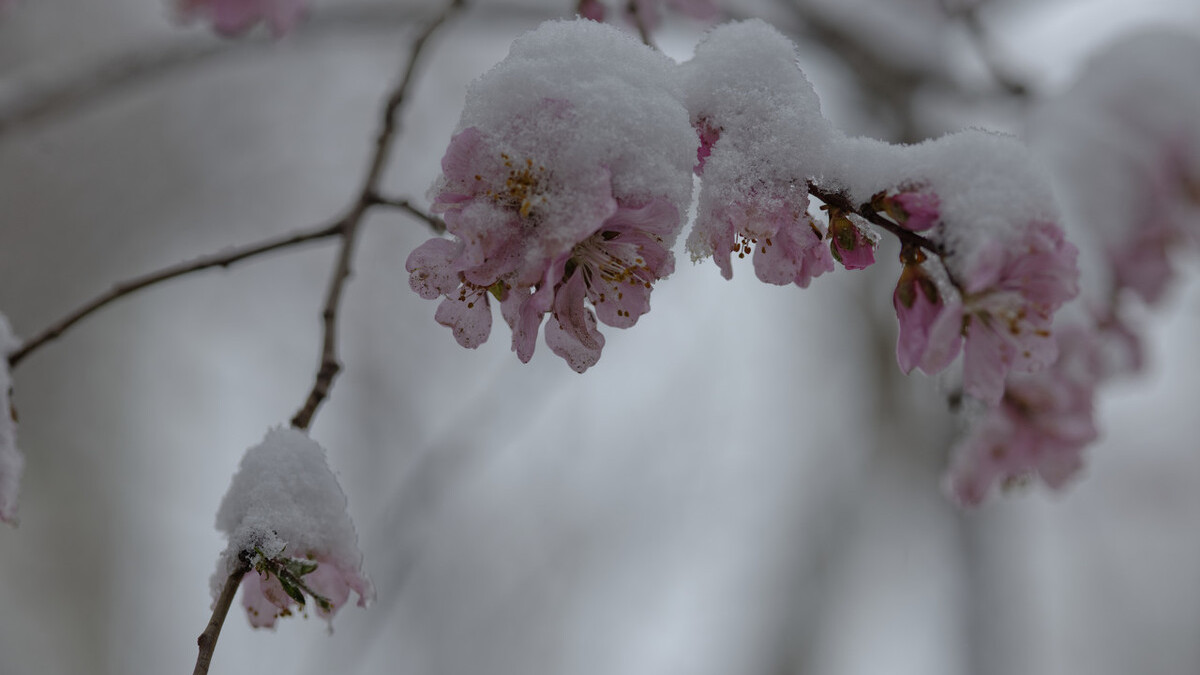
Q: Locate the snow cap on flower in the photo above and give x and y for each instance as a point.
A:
(763, 137)
(987, 211)
(284, 512)
(564, 187)
(12, 462)
(233, 17)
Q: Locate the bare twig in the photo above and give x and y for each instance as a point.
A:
(208, 639)
(149, 63)
(328, 367)
(436, 224)
(223, 258)
(985, 47)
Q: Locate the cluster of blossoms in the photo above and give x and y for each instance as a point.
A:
(285, 516)
(564, 188)
(1129, 179)
(12, 462)
(564, 184)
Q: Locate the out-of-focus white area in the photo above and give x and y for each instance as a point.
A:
(742, 484)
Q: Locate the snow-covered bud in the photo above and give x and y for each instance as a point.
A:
(915, 210)
(285, 516)
(930, 328)
(744, 83)
(850, 243)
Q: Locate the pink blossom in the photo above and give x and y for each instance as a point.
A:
(615, 270)
(915, 210)
(786, 244)
(327, 586)
(285, 515)
(849, 242)
(930, 334)
(233, 17)
(1010, 295)
(591, 9)
(492, 203)
(1169, 219)
(1040, 427)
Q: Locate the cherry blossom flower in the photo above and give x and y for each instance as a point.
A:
(786, 244)
(850, 242)
(915, 210)
(234, 17)
(745, 93)
(560, 204)
(285, 515)
(1040, 427)
(930, 334)
(1009, 299)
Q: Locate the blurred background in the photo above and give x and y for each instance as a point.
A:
(744, 483)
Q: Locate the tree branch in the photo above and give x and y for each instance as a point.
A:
(208, 639)
(436, 224)
(328, 367)
(223, 258)
(841, 201)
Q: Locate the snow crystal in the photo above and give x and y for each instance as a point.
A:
(285, 501)
(12, 463)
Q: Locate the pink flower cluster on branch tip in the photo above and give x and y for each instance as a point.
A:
(234, 17)
(286, 515)
(1001, 322)
(552, 215)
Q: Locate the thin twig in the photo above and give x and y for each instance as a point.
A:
(328, 367)
(222, 258)
(986, 49)
(436, 224)
(208, 639)
(839, 200)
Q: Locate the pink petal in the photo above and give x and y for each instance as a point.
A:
(468, 315)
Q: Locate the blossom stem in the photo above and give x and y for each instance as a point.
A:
(436, 224)
(223, 258)
(841, 201)
(329, 366)
(208, 639)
